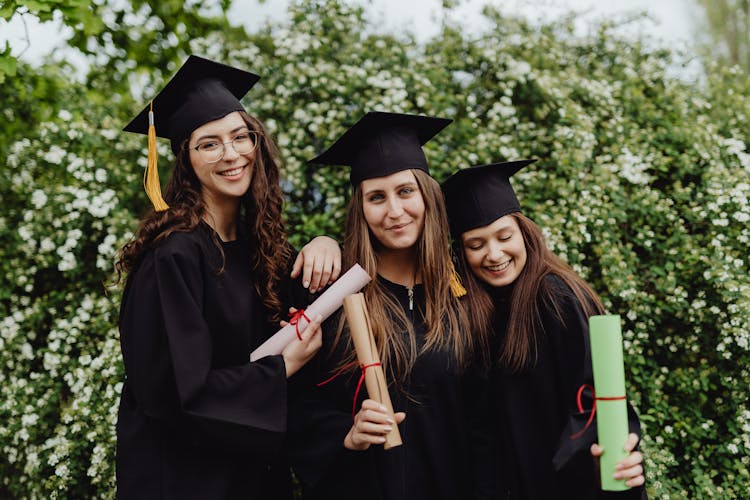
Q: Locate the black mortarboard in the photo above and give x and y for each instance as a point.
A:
(381, 144)
(200, 92)
(479, 195)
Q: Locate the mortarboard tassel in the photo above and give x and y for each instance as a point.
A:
(151, 175)
(456, 287)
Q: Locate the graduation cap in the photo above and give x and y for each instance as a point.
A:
(200, 92)
(479, 195)
(381, 144)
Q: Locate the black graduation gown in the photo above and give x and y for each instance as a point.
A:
(446, 451)
(537, 411)
(196, 418)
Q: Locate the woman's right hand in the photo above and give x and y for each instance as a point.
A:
(299, 352)
(371, 424)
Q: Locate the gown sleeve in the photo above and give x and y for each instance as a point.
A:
(168, 343)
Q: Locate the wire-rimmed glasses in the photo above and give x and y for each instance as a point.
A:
(212, 151)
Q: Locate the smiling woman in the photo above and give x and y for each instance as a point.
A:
(397, 230)
(394, 210)
(536, 309)
(222, 155)
(208, 280)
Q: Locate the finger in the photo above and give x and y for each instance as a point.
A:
(631, 460)
(325, 274)
(307, 271)
(361, 438)
(292, 310)
(631, 442)
(636, 481)
(374, 417)
(297, 267)
(399, 417)
(315, 340)
(336, 272)
(630, 473)
(373, 411)
(371, 404)
(596, 450)
(373, 429)
(308, 330)
(317, 271)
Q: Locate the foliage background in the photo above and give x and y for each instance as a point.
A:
(642, 185)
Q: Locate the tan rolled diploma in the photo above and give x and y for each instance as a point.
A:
(367, 355)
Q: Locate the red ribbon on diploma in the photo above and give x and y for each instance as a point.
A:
(294, 320)
(593, 406)
(359, 382)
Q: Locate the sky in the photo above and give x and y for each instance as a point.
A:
(672, 23)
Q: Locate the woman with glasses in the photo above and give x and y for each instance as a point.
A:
(208, 280)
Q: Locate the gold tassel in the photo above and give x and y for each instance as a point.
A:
(456, 287)
(151, 175)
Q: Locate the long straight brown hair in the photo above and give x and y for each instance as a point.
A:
(518, 349)
(447, 322)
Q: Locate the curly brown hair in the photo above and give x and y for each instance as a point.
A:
(260, 218)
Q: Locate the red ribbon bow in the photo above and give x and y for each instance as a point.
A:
(593, 406)
(294, 320)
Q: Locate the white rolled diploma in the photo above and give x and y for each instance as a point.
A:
(329, 301)
(367, 355)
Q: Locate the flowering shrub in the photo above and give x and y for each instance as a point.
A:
(642, 185)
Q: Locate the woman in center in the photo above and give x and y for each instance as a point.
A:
(396, 229)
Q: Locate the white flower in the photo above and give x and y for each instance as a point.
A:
(100, 175)
(25, 233)
(67, 262)
(55, 154)
(28, 420)
(109, 134)
(64, 115)
(38, 198)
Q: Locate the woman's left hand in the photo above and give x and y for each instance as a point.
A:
(630, 468)
(319, 262)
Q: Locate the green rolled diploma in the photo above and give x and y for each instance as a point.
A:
(609, 382)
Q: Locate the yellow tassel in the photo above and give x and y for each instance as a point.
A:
(456, 287)
(151, 175)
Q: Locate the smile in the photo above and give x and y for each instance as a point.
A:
(398, 227)
(499, 267)
(232, 172)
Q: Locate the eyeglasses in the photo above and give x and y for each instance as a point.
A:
(213, 151)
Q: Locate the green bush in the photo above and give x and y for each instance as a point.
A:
(642, 185)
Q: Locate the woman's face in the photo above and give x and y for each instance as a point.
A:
(496, 253)
(229, 177)
(394, 209)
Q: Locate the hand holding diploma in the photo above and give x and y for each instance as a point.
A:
(350, 282)
(296, 354)
(375, 423)
(372, 424)
(611, 407)
(629, 468)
